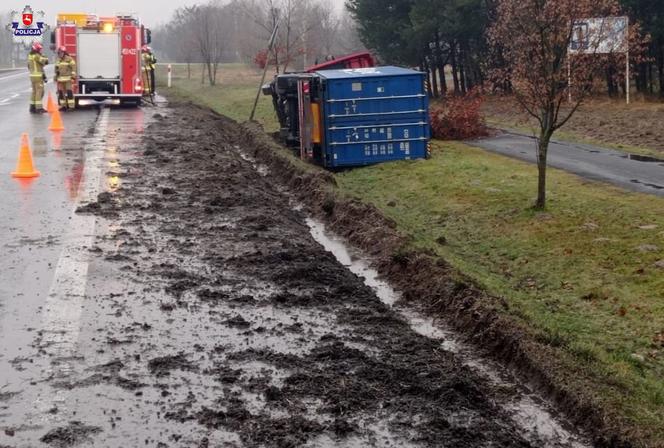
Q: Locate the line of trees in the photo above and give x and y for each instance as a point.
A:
(238, 31)
(450, 37)
(650, 71)
(435, 35)
(7, 47)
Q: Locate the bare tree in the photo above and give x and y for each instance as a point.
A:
(209, 35)
(533, 37)
(239, 30)
(307, 28)
(347, 37)
(182, 41)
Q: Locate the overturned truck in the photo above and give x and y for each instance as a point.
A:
(349, 113)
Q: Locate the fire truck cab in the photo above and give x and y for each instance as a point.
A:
(107, 51)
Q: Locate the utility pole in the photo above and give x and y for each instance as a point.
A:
(267, 64)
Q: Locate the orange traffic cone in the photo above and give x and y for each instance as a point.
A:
(50, 104)
(56, 122)
(25, 168)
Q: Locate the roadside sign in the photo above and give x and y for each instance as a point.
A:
(600, 35)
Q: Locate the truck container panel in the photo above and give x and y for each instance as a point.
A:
(373, 115)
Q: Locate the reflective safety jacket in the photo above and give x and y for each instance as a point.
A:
(153, 61)
(36, 63)
(147, 61)
(65, 68)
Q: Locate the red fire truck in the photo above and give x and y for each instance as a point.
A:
(107, 51)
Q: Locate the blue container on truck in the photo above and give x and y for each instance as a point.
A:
(371, 115)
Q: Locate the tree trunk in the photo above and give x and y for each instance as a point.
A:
(430, 91)
(425, 69)
(610, 84)
(542, 152)
(642, 78)
(188, 70)
(276, 60)
(436, 65)
(462, 72)
(455, 73)
(660, 70)
(431, 70)
(210, 73)
(443, 80)
(468, 72)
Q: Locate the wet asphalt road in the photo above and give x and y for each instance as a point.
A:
(38, 225)
(632, 172)
(34, 212)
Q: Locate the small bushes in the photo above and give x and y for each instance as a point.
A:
(458, 118)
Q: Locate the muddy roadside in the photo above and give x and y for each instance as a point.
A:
(430, 285)
(213, 317)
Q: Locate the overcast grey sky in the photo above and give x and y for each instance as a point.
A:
(152, 12)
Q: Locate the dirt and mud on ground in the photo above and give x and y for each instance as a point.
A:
(213, 318)
(636, 127)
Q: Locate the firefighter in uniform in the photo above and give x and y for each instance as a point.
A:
(149, 66)
(153, 68)
(36, 64)
(65, 73)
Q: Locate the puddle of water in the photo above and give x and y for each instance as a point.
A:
(655, 186)
(356, 265)
(642, 158)
(263, 170)
(535, 419)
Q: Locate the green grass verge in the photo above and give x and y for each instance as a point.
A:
(582, 275)
(233, 94)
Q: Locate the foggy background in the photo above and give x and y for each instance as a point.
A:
(215, 31)
(151, 12)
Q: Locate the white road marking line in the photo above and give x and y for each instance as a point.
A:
(2, 78)
(64, 304)
(6, 100)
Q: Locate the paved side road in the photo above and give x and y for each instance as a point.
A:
(632, 172)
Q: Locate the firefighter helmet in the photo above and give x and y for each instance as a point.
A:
(62, 49)
(36, 46)
(145, 49)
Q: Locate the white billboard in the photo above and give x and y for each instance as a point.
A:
(600, 36)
